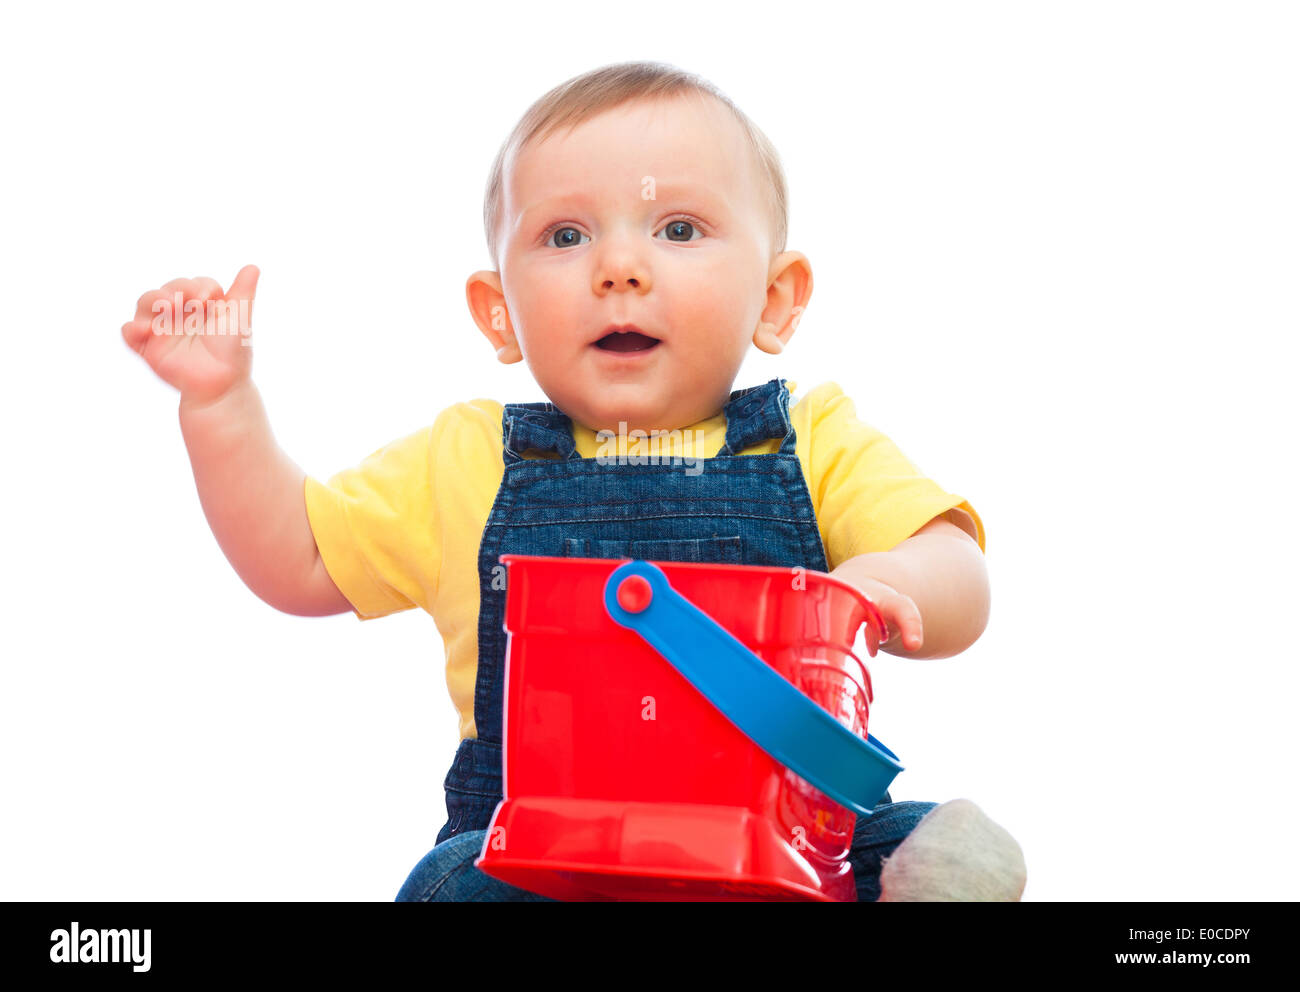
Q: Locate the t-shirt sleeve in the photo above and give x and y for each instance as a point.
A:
(376, 526)
(868, 495)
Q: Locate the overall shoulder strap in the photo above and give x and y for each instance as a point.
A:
(758, 414)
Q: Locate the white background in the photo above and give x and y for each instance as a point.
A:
(1055, 249)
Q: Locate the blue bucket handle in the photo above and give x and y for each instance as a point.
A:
(764, 706)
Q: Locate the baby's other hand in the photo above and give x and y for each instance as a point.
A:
(902, 618)
(200, 346)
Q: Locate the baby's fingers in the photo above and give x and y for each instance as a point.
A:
(245, 284)
(203, 288)
(145, 308)
(136, 334)
(903, 618)
(177, 293)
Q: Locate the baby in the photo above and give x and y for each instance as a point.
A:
(637, 222)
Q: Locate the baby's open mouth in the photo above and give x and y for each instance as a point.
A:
(626, 341)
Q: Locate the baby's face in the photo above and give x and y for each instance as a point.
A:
(651, 215)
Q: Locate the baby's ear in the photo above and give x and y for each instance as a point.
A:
(487, 305)
(790, 284)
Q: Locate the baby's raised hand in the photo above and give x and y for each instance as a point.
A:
(195, 337)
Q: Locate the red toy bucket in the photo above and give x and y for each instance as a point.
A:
(624, 781)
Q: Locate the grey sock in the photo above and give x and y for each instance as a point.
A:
(955, 854)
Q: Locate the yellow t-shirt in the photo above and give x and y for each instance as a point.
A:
(402, 529)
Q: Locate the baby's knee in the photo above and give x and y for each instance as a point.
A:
(956, 853)
(446, 872)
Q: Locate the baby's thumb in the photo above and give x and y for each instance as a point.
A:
(245, 284)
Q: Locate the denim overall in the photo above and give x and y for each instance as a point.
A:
(732, 508)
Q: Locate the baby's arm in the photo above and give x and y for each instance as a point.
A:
(932, 587)
(251, 493)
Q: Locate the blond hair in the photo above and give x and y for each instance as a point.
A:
(583, 97)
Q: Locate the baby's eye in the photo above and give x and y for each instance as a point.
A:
(677, 228)
(566, 237)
